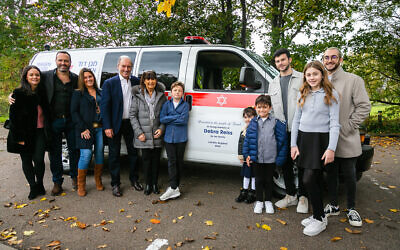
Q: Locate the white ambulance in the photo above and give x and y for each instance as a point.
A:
(220, 81)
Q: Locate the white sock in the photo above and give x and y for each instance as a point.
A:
(253, 183)
(246, 182)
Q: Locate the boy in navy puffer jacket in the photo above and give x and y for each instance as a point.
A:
(265, 145)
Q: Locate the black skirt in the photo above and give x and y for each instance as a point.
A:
(312, 146)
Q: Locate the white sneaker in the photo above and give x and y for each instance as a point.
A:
(287, 201)
(170, 194)
(331, 210)
(354, 218)
(258, 207)
(315, 227)
(302, 206)
(307, 221)
(269, 208)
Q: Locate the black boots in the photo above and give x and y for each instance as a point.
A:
(33, 192)
(155, 189)
(242, 196)
(251, 196)
(147, 189)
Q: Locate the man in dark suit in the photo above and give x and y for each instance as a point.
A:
(115, 104)
(59, 86)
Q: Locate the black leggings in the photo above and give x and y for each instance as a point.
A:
(33, 162)
(151, 164)
(264, 173)
(312, 180)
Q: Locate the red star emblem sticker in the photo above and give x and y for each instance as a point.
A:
(221, 100)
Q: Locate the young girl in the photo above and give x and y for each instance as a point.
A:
(315, 132)
(248, 196)
(175, 114)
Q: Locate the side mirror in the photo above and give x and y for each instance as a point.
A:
(247, 78)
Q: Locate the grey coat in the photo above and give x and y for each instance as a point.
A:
(140, 117)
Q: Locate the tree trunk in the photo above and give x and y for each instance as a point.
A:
(244, 23)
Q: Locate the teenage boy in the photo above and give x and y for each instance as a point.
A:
(265, 145)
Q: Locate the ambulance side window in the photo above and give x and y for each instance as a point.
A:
(166, 64)
(220, 70)
(110, 64)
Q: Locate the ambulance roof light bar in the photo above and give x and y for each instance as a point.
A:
(195, 40)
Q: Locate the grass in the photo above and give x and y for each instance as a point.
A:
(378, 107)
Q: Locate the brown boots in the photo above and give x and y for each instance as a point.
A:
(82, 182)
(98, 170)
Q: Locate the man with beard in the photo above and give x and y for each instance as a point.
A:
(283, 91)
(354, 108)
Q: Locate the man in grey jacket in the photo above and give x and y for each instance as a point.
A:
(354, 108)
(283, 91)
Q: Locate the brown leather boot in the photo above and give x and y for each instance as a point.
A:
(98, 170)
(57, 189)
(82, 182)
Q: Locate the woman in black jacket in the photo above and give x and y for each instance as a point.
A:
(28, 128)
(85, 113)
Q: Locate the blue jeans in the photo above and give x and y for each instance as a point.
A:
(58, 127)
(86, 153)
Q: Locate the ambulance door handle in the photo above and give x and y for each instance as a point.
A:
(189, 100)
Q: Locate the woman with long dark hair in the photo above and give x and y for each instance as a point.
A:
(28, 135)
(85, 114)
(147, 101)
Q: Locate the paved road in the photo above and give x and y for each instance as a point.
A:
(208, 195)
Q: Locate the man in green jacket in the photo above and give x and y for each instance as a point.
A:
(354, 108)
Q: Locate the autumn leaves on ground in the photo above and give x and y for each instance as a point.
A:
(205, 217)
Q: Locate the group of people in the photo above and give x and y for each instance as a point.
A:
(56, 102)
(311, 119)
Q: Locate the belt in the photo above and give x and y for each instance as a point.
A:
(97, 125)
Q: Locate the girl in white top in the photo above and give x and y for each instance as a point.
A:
(315, 131)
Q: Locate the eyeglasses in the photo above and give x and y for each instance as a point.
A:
(334, 57)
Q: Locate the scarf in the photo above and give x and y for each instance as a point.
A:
(151, 102)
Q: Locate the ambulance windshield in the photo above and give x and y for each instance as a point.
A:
(271, 71)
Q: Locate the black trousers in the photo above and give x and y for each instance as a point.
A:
(312, 180)
(348, 168)
(175, 153)
(264, 173)
(33, 163)
(288, 176)
(114, 147)
(151, 165)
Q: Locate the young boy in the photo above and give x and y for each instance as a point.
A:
(265, 146)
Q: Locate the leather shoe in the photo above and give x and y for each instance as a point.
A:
(57, 189)
(137, 186)
(147, 189)
(116, 191)
(155, 189)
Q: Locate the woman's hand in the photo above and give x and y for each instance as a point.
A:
(294, 152)
(109, 132)
(248, 161)
(142, 138)
(329, 156)
(158, 133)
(85, 134)
(10, 99)
(21, 143)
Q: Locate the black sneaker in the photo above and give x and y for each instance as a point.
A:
(331, 210)
(354, 218)
(242, 196)
(251, 196)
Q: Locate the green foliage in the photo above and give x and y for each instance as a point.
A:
(388, 123)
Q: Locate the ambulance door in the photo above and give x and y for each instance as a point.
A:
(218, 100)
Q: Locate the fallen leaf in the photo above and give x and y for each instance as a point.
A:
(63, 194)
(181, 217)
(391, 186)
(206, 248)
(128, 216)
(149, 240)
(101, 211)
(41, 221)
(111, 221)
(282, 221)
(54, 243)
(283, 248)
(334, 239)
(266, 227)
(355, 231)
(189, 240)
(149, 229)
(154, 202)
(348, 230)
(258, 225)
(378, 201)
(147, 210)
(190, 214)
(51, 200)
(394, 210)
(138, 220)
(71, 218)
(209, 222)
(215, 233)
(16, 206)
(130, 203)
(250, 227)
(179, 244)
(169, 248)
(343, 219)
(155, 221)
(133, 229)
(281, 208)
(156, 215)
(55, 207)
(28, 233)
(211, 193)
(377, 162)
(174, 221)
(105, 229)
(8, 204)
(368, 221)
(122, 210)
(163, 202)
(210, 237)
(81, 225)
(198, 203)
(234, 207)
(43, 199)
(102, 246)
(34, 248)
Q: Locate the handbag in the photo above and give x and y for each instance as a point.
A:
(7, 124)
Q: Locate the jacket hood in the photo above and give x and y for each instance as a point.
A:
(160, 87)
